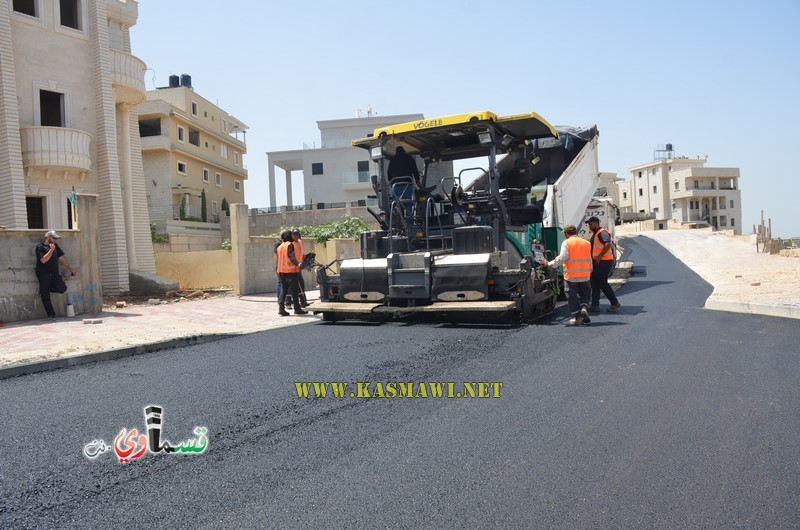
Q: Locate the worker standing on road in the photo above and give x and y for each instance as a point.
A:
(603, 259)
(288, 269)
(576, 256)
(299, 252)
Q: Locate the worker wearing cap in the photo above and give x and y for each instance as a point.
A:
(603, 260)
(48, 256)
(299, 252)
(576, 256)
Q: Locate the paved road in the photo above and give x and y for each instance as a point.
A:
(665, 415)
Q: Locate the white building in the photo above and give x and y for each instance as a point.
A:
(68, 90)
(335, 172)
(683, 192)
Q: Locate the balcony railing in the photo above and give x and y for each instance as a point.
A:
(127, 77)
(56, 148)
(355, 177)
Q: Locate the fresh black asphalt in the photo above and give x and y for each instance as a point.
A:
(663, 415)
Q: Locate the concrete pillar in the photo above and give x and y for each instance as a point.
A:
(289, 188)
(123, 118)
(273, 202)
(90, 299)
(240, 241)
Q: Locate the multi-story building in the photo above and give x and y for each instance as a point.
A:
(69, 87)
(335, 172)
(682, 191)
(189, 145)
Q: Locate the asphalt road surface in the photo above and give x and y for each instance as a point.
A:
(664, 415)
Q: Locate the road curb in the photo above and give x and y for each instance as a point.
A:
(753, 309)
(108, 355)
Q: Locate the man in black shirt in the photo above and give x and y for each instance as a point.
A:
(48, 256)
(401, 167)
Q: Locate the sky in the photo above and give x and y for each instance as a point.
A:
(716, 78)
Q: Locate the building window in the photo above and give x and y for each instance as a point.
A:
(182, 167)
(181, 134)
(696, 185)
(224, 126)
(723, 221)
(316, 168)
(194, 137)
(223, 151)
(194, 108)
(70, 13)
(235, 158)
(654, 171)
(677, 185)
(35, 212)
(237, 185)
(26, 7)
(733, 221)
(713, 204)
(731, 207)
(214, 209)
(149, 128)
(655, 189)
(640, 174)
(674, 206)
(624, 194)
(655, 211)
(205, 114)
(206, 175)
(218, 180)
(363, 171)
(51, 109)
(641, 192)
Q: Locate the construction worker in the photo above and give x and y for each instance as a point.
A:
(576, 256)
(299, 252)
(603, 260)
(402, 169)
(288, 269)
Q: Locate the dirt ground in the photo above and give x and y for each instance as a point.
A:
(732, 265)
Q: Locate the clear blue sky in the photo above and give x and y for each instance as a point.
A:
(713, 78)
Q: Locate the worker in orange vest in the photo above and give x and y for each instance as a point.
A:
(299, 253)
(576, 256)
(288, 269)
(603, 260)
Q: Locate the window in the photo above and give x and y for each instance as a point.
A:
(206, 175)
(26, 7)
(218, 180)
(51, 109)
(194, 137)
(70, 13)
(194, 108)
(624, 194)
(224, 126)
(35, 212)
(733, 221)
(363, 171)
(731, 207)
(722, 204)
(640, 174)
(696, 185)
(655, 189)
(181, 134)
(674, 206)
(149, 128)
(235, 158)
(223, 151)
(713, 204)
(654, 171)
(641, 192)
(182, 167)
(655, 211)
(237, 185)
(205, 114)
(214, 209)
(677, 186)
(316, 168)
(722, 221)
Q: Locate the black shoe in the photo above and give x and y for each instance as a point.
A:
(585, 315)
(299, 311)
(282, 312)
(614, 308)
(304, 304)
(594, 309)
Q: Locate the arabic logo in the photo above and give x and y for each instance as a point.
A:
(130, 445)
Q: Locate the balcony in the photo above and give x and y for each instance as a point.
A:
(352, 180)
(123, 11)
(158, 142)
(127, 77)
(56, 148)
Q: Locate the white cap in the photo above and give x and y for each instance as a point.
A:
(53, 234)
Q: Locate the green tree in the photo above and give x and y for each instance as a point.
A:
(182, 210)
(203, 207)
(224, 207)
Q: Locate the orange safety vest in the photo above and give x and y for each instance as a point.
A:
(579, 264)
(298, 250)
(285, 265)
(598, 246)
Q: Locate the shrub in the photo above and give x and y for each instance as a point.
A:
(157, 238)
(345, 228)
